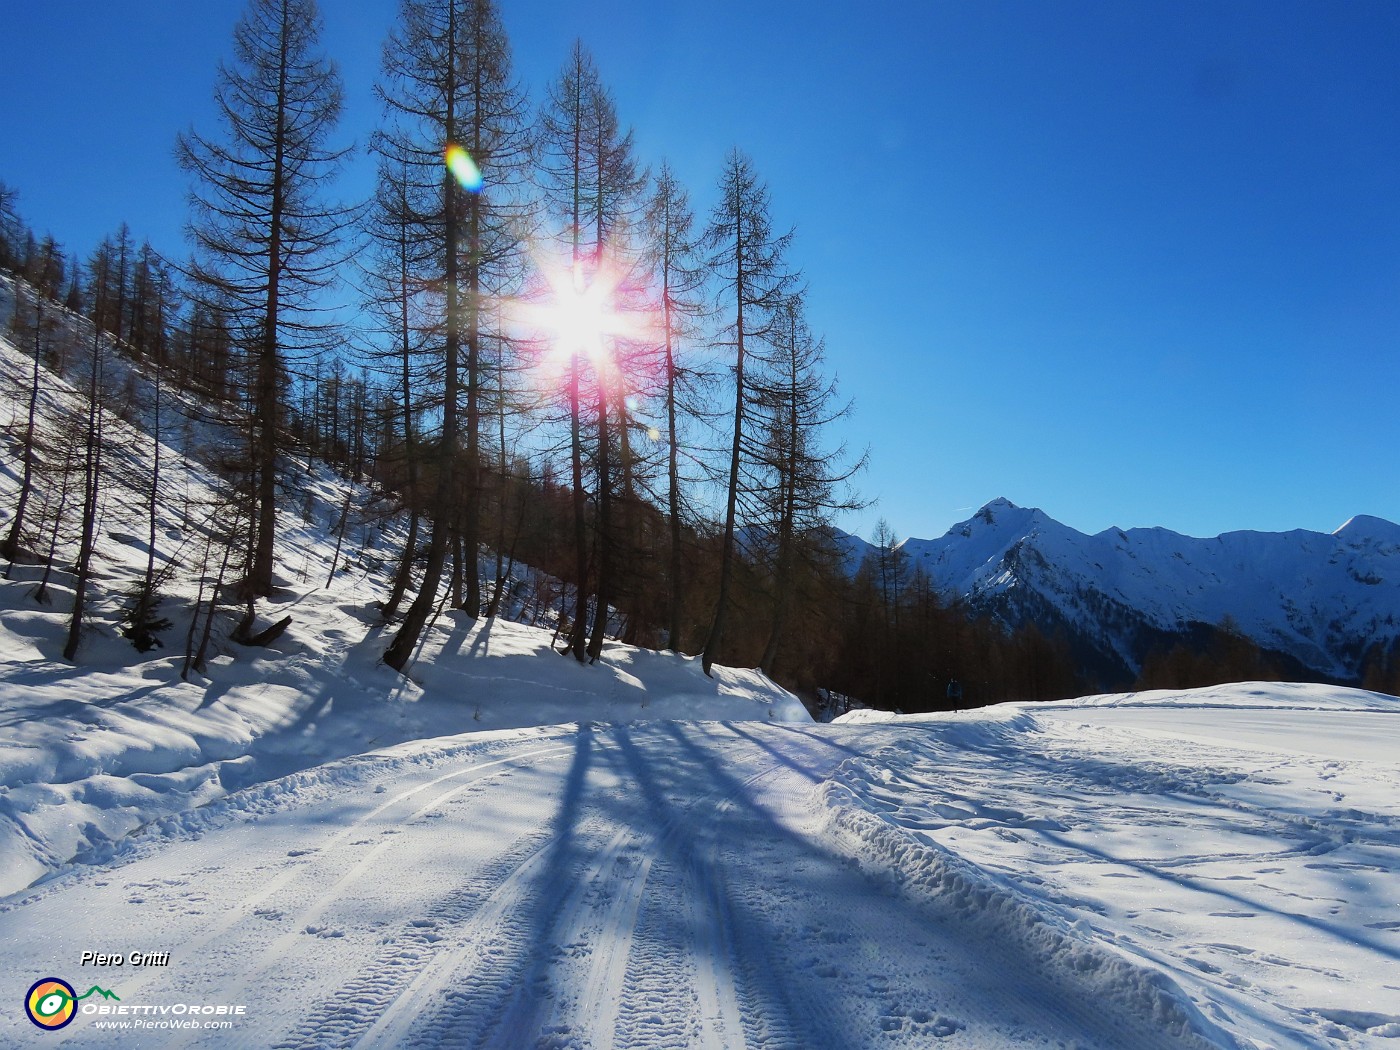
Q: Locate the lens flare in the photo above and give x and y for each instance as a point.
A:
(463, 168)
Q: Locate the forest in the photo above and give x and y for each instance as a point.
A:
(529, 346)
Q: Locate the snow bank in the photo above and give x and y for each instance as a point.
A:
(1261, 696)
(1238, 843)
(942, 880)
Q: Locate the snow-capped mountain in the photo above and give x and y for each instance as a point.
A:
(1320, 598)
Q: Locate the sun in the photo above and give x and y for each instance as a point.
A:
(581, 316)
(586, 320)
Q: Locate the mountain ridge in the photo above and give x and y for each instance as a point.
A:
(1322, 599)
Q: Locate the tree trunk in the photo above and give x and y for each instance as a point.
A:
(605, 527)
(444, 519)
(11, 546)
(268, 400)
(787, 517)
(673, 496)
(404, 575)
(726, 568)
(92, 467)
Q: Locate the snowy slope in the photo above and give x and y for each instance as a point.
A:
(92, 751)
(1322, 598)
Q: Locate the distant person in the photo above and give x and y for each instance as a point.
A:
(955, 693)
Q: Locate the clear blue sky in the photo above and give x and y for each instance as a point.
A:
(1136, 264)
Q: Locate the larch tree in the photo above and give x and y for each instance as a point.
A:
(563, 175)
(105, 291)
(44, 275)
(152, 290)
(92, 474)
(456, 138)
(808, 476)
(264, 231)
(753, 283)
(498, 136)
(670, 236)
(11, 228)
(402, 306)
(617, 186)
(591, 187)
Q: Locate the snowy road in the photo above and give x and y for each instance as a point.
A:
(653, 885)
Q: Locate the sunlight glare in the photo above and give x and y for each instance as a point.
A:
(581, 317)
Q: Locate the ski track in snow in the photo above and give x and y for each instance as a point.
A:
(647, 886)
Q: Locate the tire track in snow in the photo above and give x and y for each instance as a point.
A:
(492, 947)
(363, 1004)
(653, 1010)
(537, 1003)
(297, 925)
(246, 908)
(657, 1001)
(605, 931)
(594, 934)
(545, 960)
(313, 911)
(742, 1002)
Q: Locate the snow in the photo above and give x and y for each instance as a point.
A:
(1240, 839)
(1211, 868)
(1366, 528)
(510, 849)
(87, 757)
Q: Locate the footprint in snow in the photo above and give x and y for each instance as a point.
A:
(919, 1022)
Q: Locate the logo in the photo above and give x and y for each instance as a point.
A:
(51, 1002)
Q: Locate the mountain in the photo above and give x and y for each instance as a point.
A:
(1320, 599)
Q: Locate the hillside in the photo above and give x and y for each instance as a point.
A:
(94, 750)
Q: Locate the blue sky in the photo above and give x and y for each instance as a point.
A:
(1136, 264)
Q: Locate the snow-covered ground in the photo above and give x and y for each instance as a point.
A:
(1244, 840)
(1204, 869)
(89, 754)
